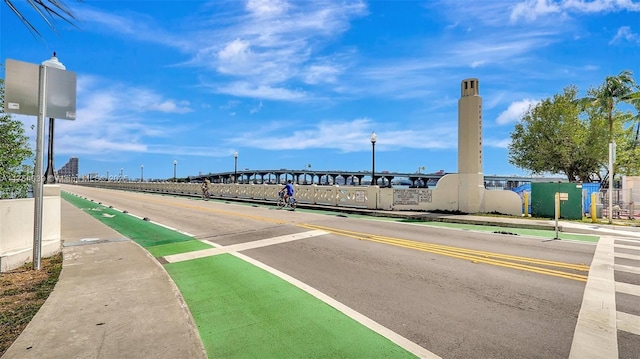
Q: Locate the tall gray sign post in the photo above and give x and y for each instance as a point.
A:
(42, 91)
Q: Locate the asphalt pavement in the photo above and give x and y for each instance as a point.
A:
(115, 300)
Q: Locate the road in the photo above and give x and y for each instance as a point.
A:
(456, 293)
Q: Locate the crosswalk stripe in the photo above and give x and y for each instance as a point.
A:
(627, 256)
(637, 248)
(628, 269)
(628, 322)
(628, 288)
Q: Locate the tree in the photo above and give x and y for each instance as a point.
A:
(628, 149)
(14, 151)
(49, 11)
(551, 137)
(614, 90)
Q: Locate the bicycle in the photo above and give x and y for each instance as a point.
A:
(206, 194)
(293, 203)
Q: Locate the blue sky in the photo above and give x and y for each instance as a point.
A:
(292, 83)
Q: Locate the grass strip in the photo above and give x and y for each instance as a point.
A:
(242, 311)
(520, 231)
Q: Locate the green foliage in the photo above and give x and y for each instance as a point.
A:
(15, 177)
(568, 135)
(551, 137)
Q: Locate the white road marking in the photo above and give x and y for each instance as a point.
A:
(236, 248)
(628, 247)
(627, 256)
(628, 288)
(241, 246)
(628, 269)
(595, 335)
(629, 323)
(403, 342)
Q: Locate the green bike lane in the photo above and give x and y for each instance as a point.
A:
(241, 310)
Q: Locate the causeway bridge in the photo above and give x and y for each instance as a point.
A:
(342, 177)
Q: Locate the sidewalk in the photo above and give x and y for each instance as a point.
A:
(112, 300)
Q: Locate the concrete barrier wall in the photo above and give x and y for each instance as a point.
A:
(16, 228)
(444, 197)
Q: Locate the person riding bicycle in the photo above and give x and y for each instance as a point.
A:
(205, 188)
(287, 191)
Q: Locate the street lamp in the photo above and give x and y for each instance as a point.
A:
(235, 167)
(141, 173)
(50, 176)
(175, 163)
(374, 138)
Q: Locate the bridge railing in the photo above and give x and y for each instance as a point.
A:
(346, 196)
(442, 198)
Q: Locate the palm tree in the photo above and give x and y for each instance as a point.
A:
(49, 10)
(615, 89)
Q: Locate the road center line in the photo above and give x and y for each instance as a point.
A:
(242, 246)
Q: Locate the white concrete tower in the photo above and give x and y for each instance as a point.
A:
(471, 178)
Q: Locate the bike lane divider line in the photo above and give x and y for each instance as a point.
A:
(360, 318)
(242, 246)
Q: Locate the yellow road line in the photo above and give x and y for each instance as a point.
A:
(496, 259)
(475, 256)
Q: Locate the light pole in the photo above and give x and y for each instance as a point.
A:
(235, 167)
(50, 176)
(141, 173)
(120, 174)
(175, 164)
(612, 159)
(374, 138)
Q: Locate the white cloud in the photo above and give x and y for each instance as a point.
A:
(266, 8)
(625, 34)
(347, 136)
(246, 89)
(497, 143)
(113, 118)
(531, 10)
(515, 111)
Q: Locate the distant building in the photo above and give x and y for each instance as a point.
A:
(70, 169)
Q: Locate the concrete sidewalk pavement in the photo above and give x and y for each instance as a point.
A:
(112, 300)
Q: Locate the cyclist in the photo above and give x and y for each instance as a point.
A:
(205, 189)
(287, 191)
